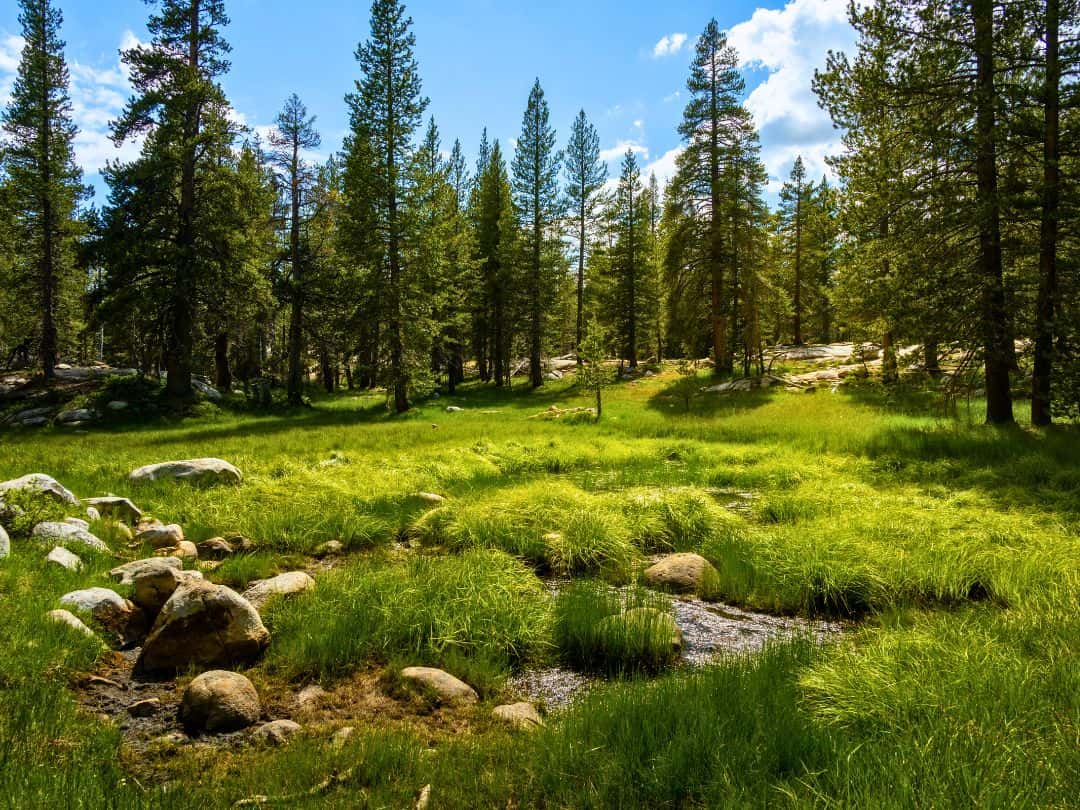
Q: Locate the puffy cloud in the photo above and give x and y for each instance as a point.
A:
(620, 148)
(10, 50)
(791, 43)
(669, 45)
(664, 166)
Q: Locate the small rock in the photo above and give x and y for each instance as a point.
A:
(276, 732)
(431, 497)
(219, 701)
(64, 558)
(342, 736)
(79, 522)
(151, 588)
(205, 624)
(76, 416)
(681, 573)
(448, 688)
(186, 550)
(205, 471)
(310, 696)
(67, 533)
(331, 548)
(286, 584)
(423, 800)
(454, 409)
(5, 543)
(145, 523)
(119, 508)
(207, 390)
(126, 574)
(216, 548)
(110, 610)
(522, 716)
(161, 536)
(92, 514)
(71, 620)
(117, 405)
(145, 708)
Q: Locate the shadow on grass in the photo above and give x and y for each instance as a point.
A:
(1027, 468)
(670, 402)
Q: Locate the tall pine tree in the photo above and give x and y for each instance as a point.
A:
(536, 196)
(44, 186)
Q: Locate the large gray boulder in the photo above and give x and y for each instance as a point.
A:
(204, 471)
(67, 533)
(442, 684)
(218, 702)
(286, 584)
(125, 574)
(205, 625)
(5, 543)
(114, 507)
(41, 485)
(681, 573)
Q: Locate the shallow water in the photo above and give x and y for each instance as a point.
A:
(710, 630)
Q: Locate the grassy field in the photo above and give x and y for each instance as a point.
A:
(952, 552)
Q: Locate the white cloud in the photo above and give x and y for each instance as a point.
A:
(10, 50)
(664, 166)
(620, 148)
(668, 45)
(791, 43)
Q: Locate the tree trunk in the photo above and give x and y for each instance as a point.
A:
(930, 358)
(296, 291)
(798, 265)
(222, 371)
(178, 357)
(1046, 304)
(580, 334)
(888, 358)
(999, 409)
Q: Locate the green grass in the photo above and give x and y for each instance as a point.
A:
(600, 629)
(956, 546)
(481, 604)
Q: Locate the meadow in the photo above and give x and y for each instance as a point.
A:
(949, 551)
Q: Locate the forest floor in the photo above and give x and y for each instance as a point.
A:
(894, 619)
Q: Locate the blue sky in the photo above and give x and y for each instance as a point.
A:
(625, 63)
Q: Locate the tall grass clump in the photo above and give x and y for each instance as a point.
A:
(677, 519)
(615, 632)
(554, 525)
(731, 735)
(482, 604)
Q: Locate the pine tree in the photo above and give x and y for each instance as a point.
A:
(180, 108)
(794, 211)
(536, 197)
(495, 227)
(295, 133)
(711, 122)
(585, 177)
(386, 110)
(44, 186)
(630, 292)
